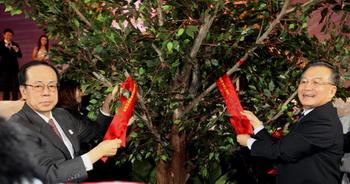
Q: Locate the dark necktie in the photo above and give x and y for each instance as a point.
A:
(301, 116)
(8, 45)
(54, 128)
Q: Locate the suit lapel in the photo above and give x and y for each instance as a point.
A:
(45, 130)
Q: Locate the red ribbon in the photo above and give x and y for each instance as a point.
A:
(119, 124)
(238, 121)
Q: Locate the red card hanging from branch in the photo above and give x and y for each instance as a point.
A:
(238, 121)
(119, 124)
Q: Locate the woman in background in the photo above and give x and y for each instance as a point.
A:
(40, 52)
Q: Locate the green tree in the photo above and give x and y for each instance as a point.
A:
(176, 50)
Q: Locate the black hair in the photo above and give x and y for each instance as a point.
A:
(8, 30)
(22, 77)
(66, 95)
(47, 42)
(16, 164)
(334, 72)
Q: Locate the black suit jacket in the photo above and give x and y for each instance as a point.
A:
(310, 153)
(50, 155)
(8, 57)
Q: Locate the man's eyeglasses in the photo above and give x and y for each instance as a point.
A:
(315, 82)
(41, 87)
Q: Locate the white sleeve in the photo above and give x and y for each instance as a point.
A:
(87, 162)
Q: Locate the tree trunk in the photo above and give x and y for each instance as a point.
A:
(174, 172)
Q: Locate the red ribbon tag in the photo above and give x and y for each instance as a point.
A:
(238, 121)
(119, 124)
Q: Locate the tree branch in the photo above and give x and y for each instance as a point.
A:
(159, 52)
(274, 22)
(160, 13)
(148, 120)
(103, 79)
(282, 107)
(80, 15)
(203, 31)
(195, 101)
(208, 21)
(303, 5)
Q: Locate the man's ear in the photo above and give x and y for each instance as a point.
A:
(23, 91)
(333, 91)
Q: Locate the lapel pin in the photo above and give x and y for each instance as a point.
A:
(71, 131)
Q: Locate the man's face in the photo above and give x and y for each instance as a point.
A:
(40, 90)
(315, 87)
(8, 36)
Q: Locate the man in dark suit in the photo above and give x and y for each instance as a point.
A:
(53, 135)
(310, 153)
(9, 52)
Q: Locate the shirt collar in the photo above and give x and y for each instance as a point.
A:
(44, 117)
(307, 111)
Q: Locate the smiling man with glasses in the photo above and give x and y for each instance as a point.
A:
(312, 150)
(53, 135)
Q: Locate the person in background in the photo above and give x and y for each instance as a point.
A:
(16, 166)
(312, 150)
(54, 135)
(41, 51)
(70, 98)
(9, 52)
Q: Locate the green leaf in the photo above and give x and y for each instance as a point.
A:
(141, 70)
(211, 155)
(163, 157)
(176, 45)
(170, 46)
(76, 23)
(91, 115)
(93, 101)
(180, 32)
(133, 134)
(291, 26)
(223, 179)
(215, 62)
(190, 30)
(271, 86)
(167, 7)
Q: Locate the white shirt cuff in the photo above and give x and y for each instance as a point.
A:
(87, 162)
(250, 143)
(257, 130)
(105, 113)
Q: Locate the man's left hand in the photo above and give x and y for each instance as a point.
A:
(242, 139)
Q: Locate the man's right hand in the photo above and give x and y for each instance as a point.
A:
(254, 121)
(105, 148)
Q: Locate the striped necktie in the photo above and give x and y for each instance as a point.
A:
(301, 116)
(54, 128)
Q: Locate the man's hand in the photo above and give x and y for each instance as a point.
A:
(254, 121)
(15, 48)
(105, 148)
(242, 139)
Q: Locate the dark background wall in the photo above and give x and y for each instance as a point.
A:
(26, 32)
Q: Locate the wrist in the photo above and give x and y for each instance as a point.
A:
(94, 154)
